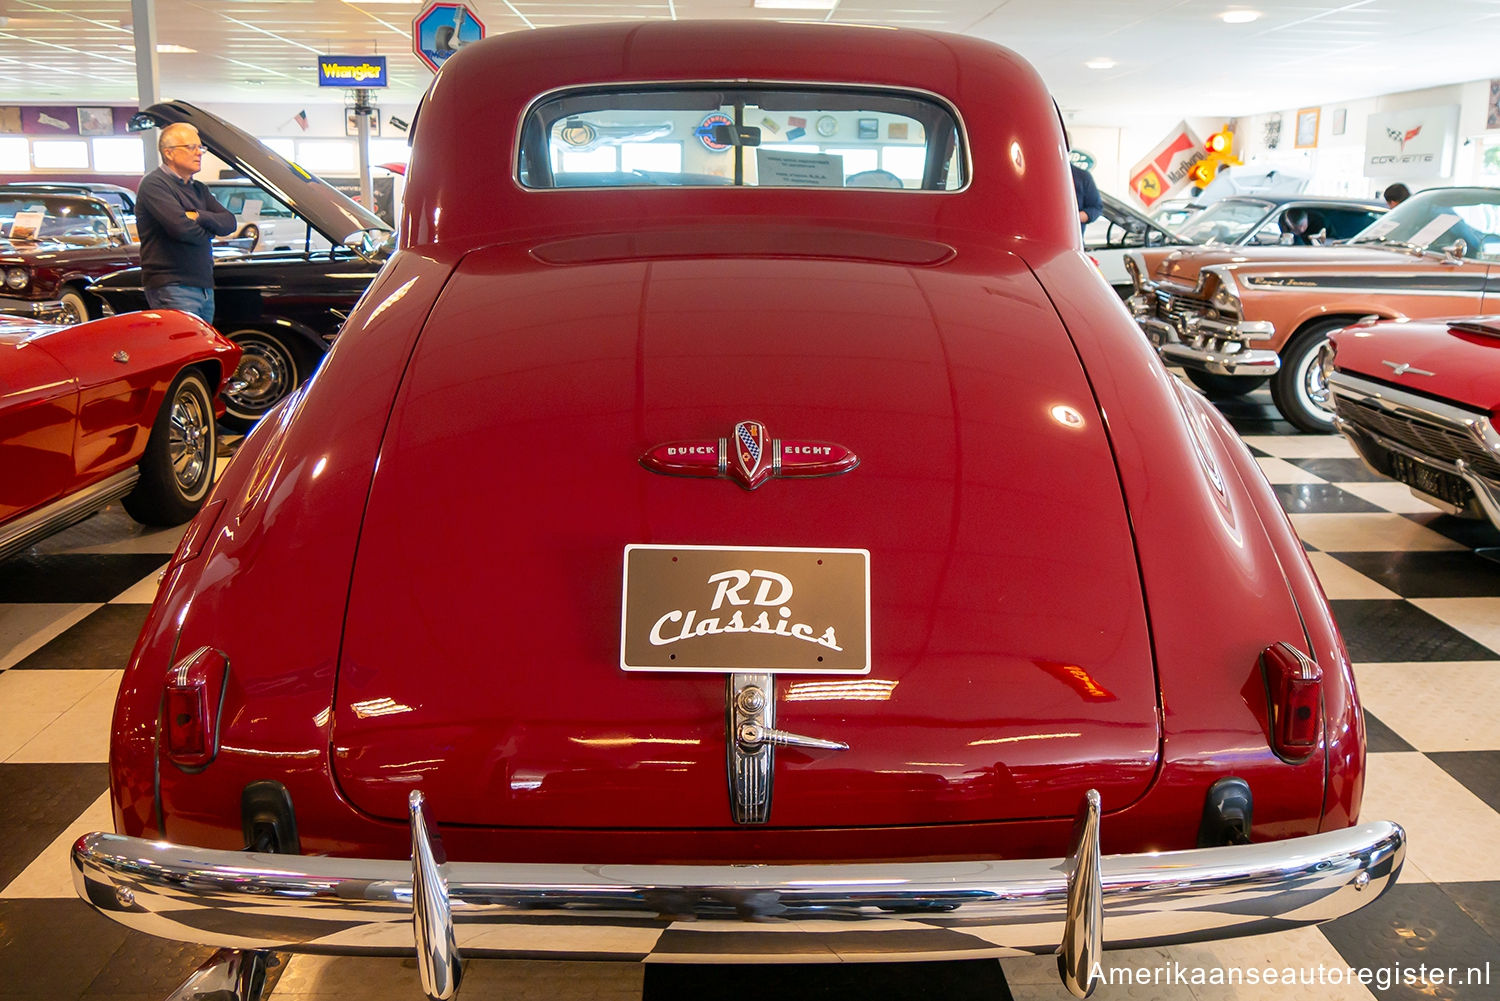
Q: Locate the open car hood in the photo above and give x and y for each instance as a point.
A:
(482, 651)
(326, 210)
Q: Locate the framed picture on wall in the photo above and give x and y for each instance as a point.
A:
(1340, 119)
(1307, 128)
(96, 121)
(351, 123)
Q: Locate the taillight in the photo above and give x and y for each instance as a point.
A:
(1294, 686)
(195, 689)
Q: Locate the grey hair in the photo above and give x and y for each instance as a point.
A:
(163, 139)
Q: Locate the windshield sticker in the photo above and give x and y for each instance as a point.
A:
(26, 225)
(1434, 229)
(1379, 228)
(799, 170)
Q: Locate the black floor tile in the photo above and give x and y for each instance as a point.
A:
(952, 981)
(147, 965)
(74, 577)
(102, 641)
(1428, 574)
(1478, 771)
(1465, 531)
(1380, 738)
(1320, 498)
(1413, 925)
(1340, 470)
(53, 948)
(1260, 425)
(40, 802)
(1391, 630)
(1480, 901)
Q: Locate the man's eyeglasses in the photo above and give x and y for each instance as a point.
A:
(195, 147)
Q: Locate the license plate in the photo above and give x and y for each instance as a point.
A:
(1433, 482)
(736, 610)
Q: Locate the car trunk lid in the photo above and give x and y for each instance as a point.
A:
(1010, 664)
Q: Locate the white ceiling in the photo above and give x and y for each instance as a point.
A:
(1175, 55)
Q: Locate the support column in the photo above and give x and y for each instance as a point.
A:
(147, 80)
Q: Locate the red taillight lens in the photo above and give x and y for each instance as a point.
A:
(195, 686)
(1294, 686)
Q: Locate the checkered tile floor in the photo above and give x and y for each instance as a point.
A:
(1416, 593)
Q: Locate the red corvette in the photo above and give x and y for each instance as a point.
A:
(1418, 400)
(118, 409)
(742, 524)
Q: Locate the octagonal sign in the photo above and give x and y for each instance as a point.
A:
(441, 30)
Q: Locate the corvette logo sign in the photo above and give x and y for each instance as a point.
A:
(710, 608)
(1417, 143)
(1403, 138)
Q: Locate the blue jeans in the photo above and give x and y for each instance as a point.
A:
(183, 297)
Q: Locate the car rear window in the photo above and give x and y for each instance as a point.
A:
(751, 136)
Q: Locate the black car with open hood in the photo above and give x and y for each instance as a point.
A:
(283, 309)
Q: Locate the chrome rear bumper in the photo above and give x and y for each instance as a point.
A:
(848, 912)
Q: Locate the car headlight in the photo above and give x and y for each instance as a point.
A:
(17, 278)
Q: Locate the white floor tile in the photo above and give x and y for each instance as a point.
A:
(1281, 471)
(1444, 706)
(1302, 446)
(32, 701)
(1342, 581)
(1351, 533)
(1391, 496)
(1443, 820)
(81, 733)
(1477, 618)
(1320, 972)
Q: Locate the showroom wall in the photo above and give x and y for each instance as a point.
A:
(1336, 164)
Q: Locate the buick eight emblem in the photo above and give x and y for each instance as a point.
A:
(750, 456)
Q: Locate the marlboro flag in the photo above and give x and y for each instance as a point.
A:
(1165, 168)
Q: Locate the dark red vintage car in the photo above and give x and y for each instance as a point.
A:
(708, 524)
(53, 245)
(118, 409)
(1418, 400)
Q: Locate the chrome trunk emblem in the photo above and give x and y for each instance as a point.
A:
(750, 456)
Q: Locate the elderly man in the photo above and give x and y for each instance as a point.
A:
(178, 219)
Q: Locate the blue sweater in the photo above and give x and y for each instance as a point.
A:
(176, 250)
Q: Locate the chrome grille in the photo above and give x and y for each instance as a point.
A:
(1172, 307)
(1427, 434)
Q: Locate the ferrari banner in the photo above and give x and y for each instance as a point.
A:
(1165, 168)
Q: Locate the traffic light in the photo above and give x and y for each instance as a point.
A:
(1218, 153)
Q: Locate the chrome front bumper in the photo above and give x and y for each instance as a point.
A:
(1428, 413)
(846, 912)
(46, 310)
(1208, 343)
